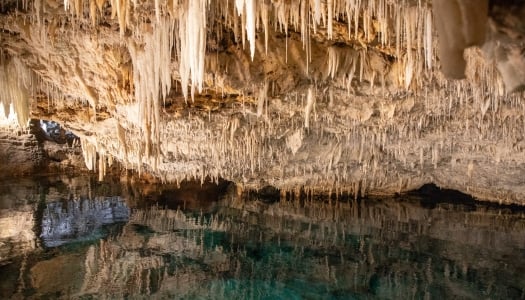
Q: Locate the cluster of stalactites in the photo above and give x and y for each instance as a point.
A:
(94, 159)
(192, 44)
(15, 86)
(402, 25)
(407, 28)
(182, 27)
(152, 78)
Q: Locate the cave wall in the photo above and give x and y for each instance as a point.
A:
(19, 154)
(35, 151)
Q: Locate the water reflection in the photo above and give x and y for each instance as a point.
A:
(80, 219)
(177, 243)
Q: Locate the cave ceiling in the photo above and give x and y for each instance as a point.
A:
(359, 96)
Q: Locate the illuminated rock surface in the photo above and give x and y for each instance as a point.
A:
(337, 95)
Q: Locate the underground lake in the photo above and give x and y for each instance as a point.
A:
(77, 238)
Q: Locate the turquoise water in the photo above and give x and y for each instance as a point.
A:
(76, 238)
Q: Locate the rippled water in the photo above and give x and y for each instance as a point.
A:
(76, 238)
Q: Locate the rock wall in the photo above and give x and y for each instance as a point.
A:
(39, 151)
(19, 154)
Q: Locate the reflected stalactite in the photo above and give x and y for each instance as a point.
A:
(80, 219)
(16, 233)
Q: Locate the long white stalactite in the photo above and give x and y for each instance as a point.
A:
(152, 80)
(192, 41)
(15, 84)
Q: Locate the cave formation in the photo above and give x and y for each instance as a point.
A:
(354, 96)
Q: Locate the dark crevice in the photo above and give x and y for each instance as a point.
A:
(432, 195)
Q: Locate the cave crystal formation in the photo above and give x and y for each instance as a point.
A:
(356, 96)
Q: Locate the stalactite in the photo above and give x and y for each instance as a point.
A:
(192, 41)
(250, 24)
(264, 9)
(310, 100)
(121, 10)
(428, 40)
(15, 83)
(330, 7)
(89, 151)
(152, 80)
(262, 98)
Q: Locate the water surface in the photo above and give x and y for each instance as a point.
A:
(76, 238)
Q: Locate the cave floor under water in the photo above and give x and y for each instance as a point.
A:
(81, 239)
